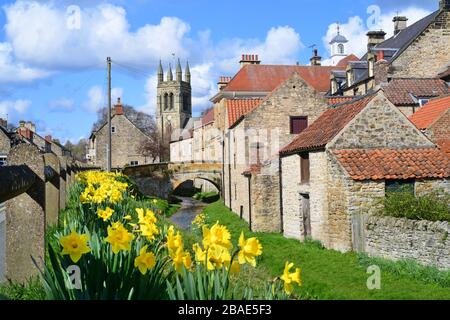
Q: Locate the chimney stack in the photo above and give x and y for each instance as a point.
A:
(375, 38)
(316, 60)
(249, 59)
(223, 81)
(31, 126)
(3, 123)
(48, 138)
(400, 23)
(118, 107)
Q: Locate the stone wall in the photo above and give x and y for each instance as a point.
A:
(429, 53)
(181, 151)
(126, 141)
(440, 130)
(380, 125)
(290, 178)
(424, 241)
(5, 143)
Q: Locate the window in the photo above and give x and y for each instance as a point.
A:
(423, 102)
(298, 124)
(134, 163)
(3, 161)
(113, 129)
(171, 101)
(304, 168)
(341, 49)
(166, 101)
(399, 186)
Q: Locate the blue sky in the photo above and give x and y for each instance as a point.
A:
(52, 63)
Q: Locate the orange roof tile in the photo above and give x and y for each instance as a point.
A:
(382, 164)
(265, 78)
(344, 62)
(444, 145)
(338, 99)
(238, 108)
(327, 126)
(430, 112)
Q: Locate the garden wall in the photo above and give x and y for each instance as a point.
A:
(424, 241)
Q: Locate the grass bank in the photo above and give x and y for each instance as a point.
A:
(329, 274)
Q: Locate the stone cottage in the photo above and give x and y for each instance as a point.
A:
(126, 139)
(416, 51)
(434, 120)
(257, 128)
(342, 164)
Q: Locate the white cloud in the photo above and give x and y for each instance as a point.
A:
(97, 98)
(63, 105)
(12, 71)
(356, 28)
(12, 108)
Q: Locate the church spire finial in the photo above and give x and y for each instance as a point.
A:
(338, 28)
(160, 72)
(170, 74)
(187, 73)
(179, 72)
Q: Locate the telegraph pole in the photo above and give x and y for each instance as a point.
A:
(109, 158)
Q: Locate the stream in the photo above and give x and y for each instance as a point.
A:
(190, 208)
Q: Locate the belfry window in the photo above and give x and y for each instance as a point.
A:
(166, 101)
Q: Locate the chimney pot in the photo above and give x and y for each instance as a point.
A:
(400, 23)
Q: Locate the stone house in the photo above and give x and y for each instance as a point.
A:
(343, 163)
(257, 128)
(433, 119)
(5, 142)
(416, 51)
(126, 140)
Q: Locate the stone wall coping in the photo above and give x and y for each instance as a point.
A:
(408, 224)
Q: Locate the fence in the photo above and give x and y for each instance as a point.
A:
(33, 188)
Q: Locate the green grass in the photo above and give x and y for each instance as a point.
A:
(32, 290)
(207, 197)
(329, 274)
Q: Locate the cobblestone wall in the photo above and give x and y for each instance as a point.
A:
(424, 241)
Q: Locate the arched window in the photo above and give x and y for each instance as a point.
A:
(171, 101)
(166, 101)
(341, 48)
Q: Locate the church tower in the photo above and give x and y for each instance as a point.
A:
(173, 101)
(338, 50)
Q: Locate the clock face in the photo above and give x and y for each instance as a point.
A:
(169, 118)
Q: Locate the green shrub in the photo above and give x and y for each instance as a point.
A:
(31, 290)
(207, 197)
(431, 207)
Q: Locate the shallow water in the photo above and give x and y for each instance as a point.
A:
(190, 208)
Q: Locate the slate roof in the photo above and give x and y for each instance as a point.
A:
(381, 164)
(208, 117)
(399, 91)
(237, 108)
(265, 78)
(327, 126)
(430, 112)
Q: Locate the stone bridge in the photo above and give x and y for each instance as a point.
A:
(160, 179)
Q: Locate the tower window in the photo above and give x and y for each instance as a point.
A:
(341, 48)
(171, 102)
(166, 101)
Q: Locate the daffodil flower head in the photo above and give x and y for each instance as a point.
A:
(75, 245)
(105, 214)
(250, 249)
(217, 235)
(145, 261)
(290, 277)
(119, 237)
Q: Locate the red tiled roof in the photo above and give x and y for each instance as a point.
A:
(381, 164)
(265, 78)
(337, 100)
(237, 108)
(399, 91)
(344, 62)
(208, 117)
(430, 112)
(444, 145)
(327, 126)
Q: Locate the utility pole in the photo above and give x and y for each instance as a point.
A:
(109, 147)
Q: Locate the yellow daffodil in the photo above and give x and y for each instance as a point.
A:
(217, 235)
(250, 249)
(75, 245)
(200, 255)
(290, 277)
(218, 256)
(174, 241)
(119, 237)
(105, 214)
(235, 268)
(147, 223)
(128, 217)
(145, 261)
(180, 258)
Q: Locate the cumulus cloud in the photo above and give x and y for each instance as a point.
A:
(12, 108)
(356, 28)
(46, 35)
(97, 98)
(62, 105)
